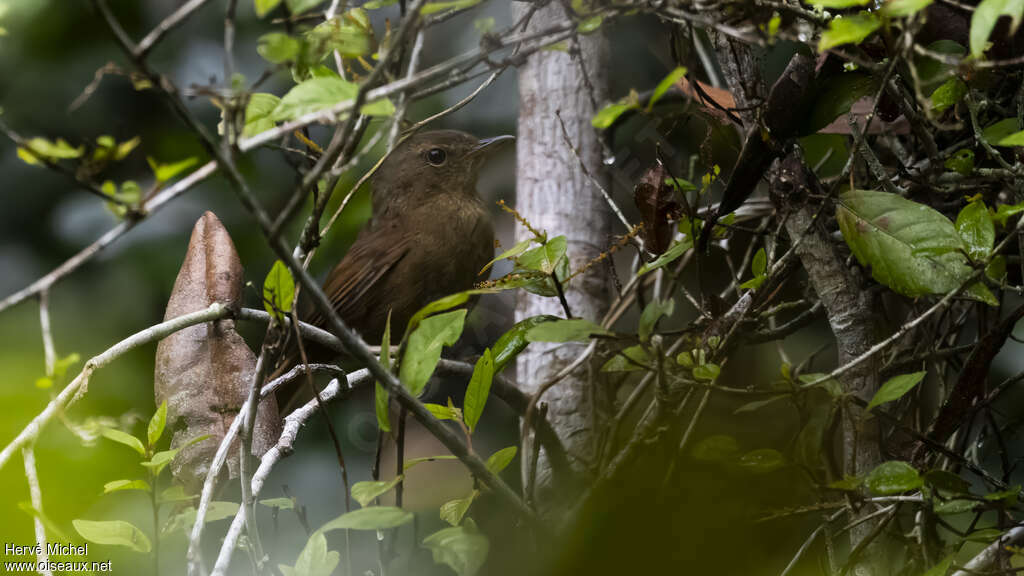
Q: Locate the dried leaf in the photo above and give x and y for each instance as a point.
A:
(656, 201)
(204, 372)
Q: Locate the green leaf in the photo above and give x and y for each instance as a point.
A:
(124, 438)
(942, 568)
(414, 461)
(961, 162)
(366, 492)
(1006, 497)
(342, 34)
(947, 95)
(443, 412)
(714, 448)
(378, 4)
(287, 503)
(314, 560)
(453, 511)
(571, 330)
(758, 266)
(975, 227)
(707, 372)
(435, 7)
(674, 252)
(160, 460)
(590, 24)
(263, 7)
(501, 459)
(511, 343)
(666, 83)
(446, 303)
(117, 485)
(1006, 210)
(893, 477)
(610, 113)
(1015, 139)
(653, 312)
(258, 113)
(184, 520)
(957, 506)
(996, 268)
(380, 394)
(478, 389)
(544, 258)
(424, 348)
(370, 518)
(984, 536)
(297, 7)
(510, 253)
(986, 14)
(848, 483)
(484, 25)
(278, 47)
(167, 172)
(1003, 130)
(462, 548)
(278, 291)
(838, 3)
(910, 247)
(895, 387)
(52, 529)
(113, 533)
(758, 404)
(157, 423)
(848, 30)
(176, 493)
(628, 359)
(762, 461)
(37, 148)
(902, 8)
(321, 93)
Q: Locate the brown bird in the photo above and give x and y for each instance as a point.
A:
(429, 235)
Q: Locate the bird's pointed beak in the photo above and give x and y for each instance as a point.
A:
(489, 145)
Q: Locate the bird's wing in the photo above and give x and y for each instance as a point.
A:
(366, 263)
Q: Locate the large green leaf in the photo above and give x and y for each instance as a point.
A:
(544, 258)
(478, 389)
(975, 227)
(895, 387)
(371, 518)
(910, 247)
(314, 560)
(986, 14)
(572, 330)
(113, 533)
(462, 548)
(893, 477)
(323, 92)
(848, 30)
(424, 348)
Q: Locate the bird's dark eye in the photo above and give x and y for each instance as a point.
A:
(436, 156)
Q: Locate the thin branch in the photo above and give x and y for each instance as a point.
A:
(165, 26)
(36, 496)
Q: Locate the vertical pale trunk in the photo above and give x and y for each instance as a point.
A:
(554, 195)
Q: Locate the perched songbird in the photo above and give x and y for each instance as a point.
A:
(429, 236)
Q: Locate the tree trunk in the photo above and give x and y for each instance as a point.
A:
(554, 195)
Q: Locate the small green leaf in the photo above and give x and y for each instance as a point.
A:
(287, 503)
(315, 559)
(996, 268)
(414, 461)
(176, 493)
(366, 492)
(706, 372)
(380, 394)
(443, 412)
(453, 511)
(1006, 497)
(342, 34)
(113, 533)
(893, 477)
(984, 536)
(511, 343)
(501, 459)
(628, 359)
(671, 255)
(117, 485)
(902, 8)
(278, 47)
(184, 520)
(160, 460)
(1003, 130)
(848, 483)
(424, 348)
(157, 423)
(653, 312)
(445, 303)
(895, 387)
(947, 95)
(957, 506)
(370, 518)
(758, 404)
(610, 113)
(278, 291)
(478, 389)
(124, 438)
(666, 83)
(848, 30)
(961, 162)
(263, 7)
(571, 330)
(484, 25)
(462, 548)
(544, 258)
(590, 24)
(297, 7)
(1015, 139)
(321, 93)
(762, 461)
(836, 4)
(986, 14)
(167, 172)
(510, 253)
(37, 148)
(975, 227)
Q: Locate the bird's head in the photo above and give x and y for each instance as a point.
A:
(430, 162)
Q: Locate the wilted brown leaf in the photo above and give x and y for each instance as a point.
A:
(654, 199)
(204, 372)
